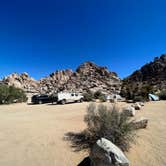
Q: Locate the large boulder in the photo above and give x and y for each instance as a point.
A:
(129, 111)
(141, 104)
(137, 106)
(140, 123)
(105, 153)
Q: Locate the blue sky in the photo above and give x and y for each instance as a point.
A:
(40, 37)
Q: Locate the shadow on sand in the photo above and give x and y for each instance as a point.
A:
(85, 162)
(60, 103)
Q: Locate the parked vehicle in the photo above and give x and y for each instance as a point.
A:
(41, 99)
(61, 98)
(64, 98)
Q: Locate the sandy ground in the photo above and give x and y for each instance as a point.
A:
(32, 135)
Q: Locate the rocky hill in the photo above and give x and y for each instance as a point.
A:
(23, 81)
(88, 76)
(152, 76)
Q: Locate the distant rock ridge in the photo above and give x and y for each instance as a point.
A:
(152, 71)
(152, 74)
(88, 76)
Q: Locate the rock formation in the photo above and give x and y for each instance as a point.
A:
(55, 81)
(151, 77)
(23, 81)
(88, 76)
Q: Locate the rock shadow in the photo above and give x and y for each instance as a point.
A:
(85, 162)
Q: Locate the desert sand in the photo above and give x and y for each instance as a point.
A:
(32, 135)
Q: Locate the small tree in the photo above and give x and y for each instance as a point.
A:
(11, 94)
(16, 94)
(88, 96)
(145, 90)
(4, 93)
(99, 95)
(103, 122)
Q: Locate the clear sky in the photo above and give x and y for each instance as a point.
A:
(40, 37)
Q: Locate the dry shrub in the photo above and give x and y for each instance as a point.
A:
(103, 122)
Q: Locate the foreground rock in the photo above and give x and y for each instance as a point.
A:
(140, 123)
(136, 106)
(141, 104)
(129, 111)
(105, 153)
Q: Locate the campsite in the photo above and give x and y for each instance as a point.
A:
(33, 135)
(83, 83)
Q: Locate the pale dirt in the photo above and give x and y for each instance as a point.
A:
(32, 135)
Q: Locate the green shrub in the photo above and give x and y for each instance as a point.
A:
(136, 91)
(4, 93)
(99, 95)
(11, 94)
(88, 96)
(103, 122)
(102, 98)
(162, 95)
(145, 90)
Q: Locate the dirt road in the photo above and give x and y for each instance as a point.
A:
(32, 135)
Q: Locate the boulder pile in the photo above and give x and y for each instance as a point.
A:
(131, 111)
(23, 81)
(88, 76)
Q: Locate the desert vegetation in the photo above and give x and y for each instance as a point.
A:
(10, 94)
(162, 95)
(135, 91)
(90, 96)
(105, 122)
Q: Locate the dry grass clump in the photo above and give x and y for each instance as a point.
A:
(105, 122)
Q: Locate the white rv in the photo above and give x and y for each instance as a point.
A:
(64, 98)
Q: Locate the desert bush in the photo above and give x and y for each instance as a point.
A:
(103, 122)
(145, 90)
(102, 98)
(11, 94)
(88, 96)
(136, 91)
(99, 95)
(4, 93)
(162, 95)
(139, 99)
